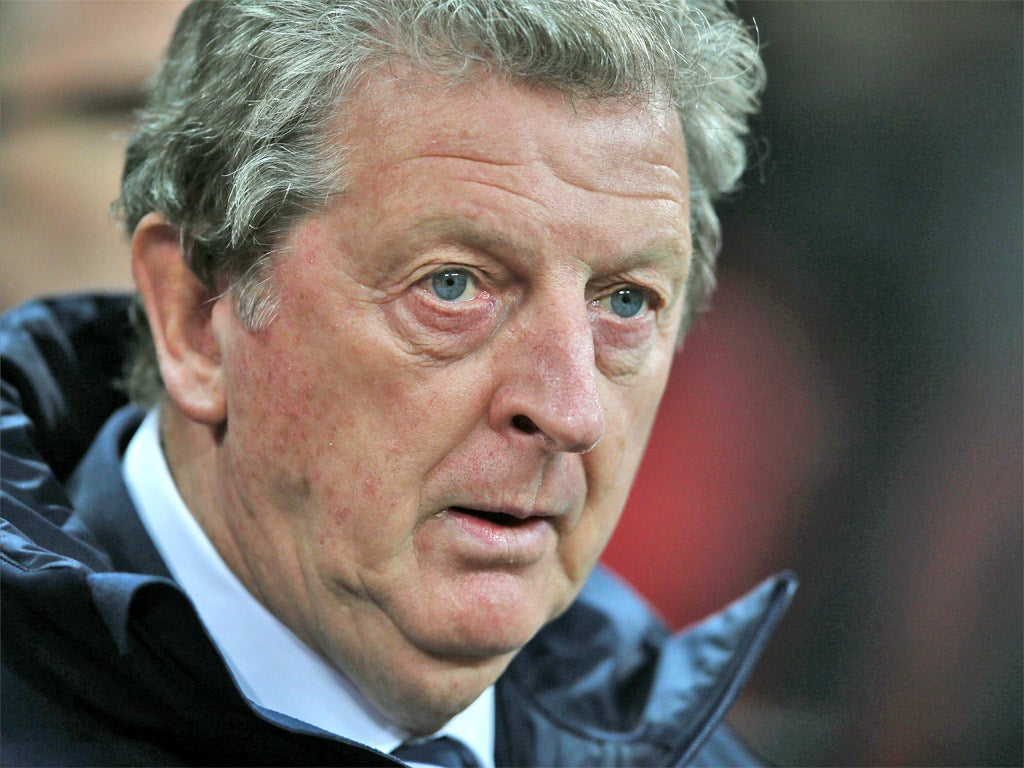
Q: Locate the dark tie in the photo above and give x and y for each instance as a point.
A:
(443, 751)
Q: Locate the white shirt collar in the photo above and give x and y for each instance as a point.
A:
(271, 666)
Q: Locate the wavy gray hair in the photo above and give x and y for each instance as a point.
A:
(233, 146)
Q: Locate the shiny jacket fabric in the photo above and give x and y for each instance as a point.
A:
(105, 661)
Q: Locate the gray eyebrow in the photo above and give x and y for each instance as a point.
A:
(459, 228)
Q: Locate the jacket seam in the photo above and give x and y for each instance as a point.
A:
(8, 559)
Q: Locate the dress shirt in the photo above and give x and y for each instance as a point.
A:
(272, 667)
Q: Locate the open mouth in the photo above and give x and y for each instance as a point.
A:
(496, 518)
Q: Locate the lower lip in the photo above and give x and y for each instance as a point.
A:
(521, 543)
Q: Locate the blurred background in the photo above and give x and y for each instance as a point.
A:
(851, 408)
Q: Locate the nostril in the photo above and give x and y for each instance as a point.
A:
(524, 424)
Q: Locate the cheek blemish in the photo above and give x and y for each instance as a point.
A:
(371, 486)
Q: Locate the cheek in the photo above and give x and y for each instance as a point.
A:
(343, 430)
(314, 463)
(269, 412)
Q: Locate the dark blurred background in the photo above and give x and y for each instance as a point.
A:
(851, 408)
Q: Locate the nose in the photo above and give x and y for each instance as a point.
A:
(548, 387)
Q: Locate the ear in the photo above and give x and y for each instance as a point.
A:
(180, 311)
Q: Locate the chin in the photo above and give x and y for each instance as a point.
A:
(477, 638)
(494, 617)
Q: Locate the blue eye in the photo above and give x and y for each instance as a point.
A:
(627, 302)
(450, 284)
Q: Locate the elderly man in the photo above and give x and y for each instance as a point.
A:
(411, 275)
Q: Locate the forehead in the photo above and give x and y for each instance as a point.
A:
(401, 113)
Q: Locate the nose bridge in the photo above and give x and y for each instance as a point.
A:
(550, 387)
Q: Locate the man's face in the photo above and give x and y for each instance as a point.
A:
(428, 448)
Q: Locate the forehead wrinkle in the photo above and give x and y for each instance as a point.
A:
(507, 186)
(467, 156)
(673, 186)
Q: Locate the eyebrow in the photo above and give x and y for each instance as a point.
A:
(662, 253)
(458, 229)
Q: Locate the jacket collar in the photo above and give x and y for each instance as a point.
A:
(101, 501)
(566, 689)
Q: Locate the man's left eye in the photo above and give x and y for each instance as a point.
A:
(626, 302)
(453, 285)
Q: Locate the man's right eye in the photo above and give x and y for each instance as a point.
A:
(451, 284)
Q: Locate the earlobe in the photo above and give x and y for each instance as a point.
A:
(180, 312)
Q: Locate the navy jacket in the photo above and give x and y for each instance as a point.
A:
(105, 661)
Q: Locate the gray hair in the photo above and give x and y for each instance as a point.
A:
(234, 147)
